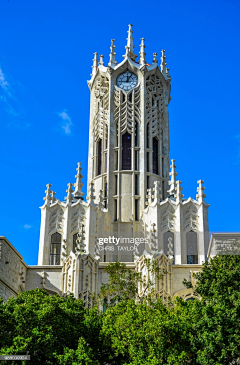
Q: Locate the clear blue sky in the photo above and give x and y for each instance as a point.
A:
(46, 52)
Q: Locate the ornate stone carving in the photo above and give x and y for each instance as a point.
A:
(127, 112)
(101, 107)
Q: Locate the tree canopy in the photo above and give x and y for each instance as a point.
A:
(57, 330)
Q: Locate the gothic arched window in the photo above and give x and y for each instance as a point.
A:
(99, 147)
(192, 248)
(155, 156)
(166, 240)
(55, 249)
(126, 151)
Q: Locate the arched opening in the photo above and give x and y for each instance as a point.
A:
(126, 151)
(55, 249)
(192, 248)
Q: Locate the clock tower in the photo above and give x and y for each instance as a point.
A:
(129, 132)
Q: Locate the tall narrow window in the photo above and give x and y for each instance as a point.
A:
(106, 162)
(192, 248)
(148, 135)
(126, 151)
(55, 249)
(74, 242)
(115, 209)
(136, 160)
(163, 189)
(136, 134)
(136, 184)
(147, 182)
(163, 169)
(99, 157)
(136, 209)
(116, 160)
(105, 191)
(155, 156)
(147, 161)
(116, 184)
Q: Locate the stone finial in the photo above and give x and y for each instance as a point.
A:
(91, 191)
(101, 60)
(95, 64)
(200, 195)
(130, 47)
(155, 58)
(173, 183)
(48, 194)
(167, 73)
(170, 247)
(157, 192)
(142, 53)
(149, 196)
(78, 184)
(69, 192)
(53, 199)
(178, 194)
(112, 61)
(163, 63)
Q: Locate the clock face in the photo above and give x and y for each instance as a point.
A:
(127, 81)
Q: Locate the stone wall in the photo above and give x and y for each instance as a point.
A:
(12, 270)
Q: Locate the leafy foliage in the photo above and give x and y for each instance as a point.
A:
(124, 282)
(134, 331)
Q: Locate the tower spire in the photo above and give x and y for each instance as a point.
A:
(200, 189)
(78, 184)
(95, 64)
(142, 53)
(130, 47)
(163, 63)
(173, 182)
(112, 61)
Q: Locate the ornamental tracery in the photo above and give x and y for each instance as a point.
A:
(127, 109)
(154, 105)
(101, 106)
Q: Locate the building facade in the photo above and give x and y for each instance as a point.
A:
(134, 207)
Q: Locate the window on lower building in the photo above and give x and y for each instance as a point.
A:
(126, 151)
(55, 249)
(192, 248)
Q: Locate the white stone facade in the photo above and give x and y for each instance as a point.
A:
(129, 192)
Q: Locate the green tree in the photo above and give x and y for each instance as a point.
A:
(149, 334)
(124, 283)
(216, 317)
(45, 325)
